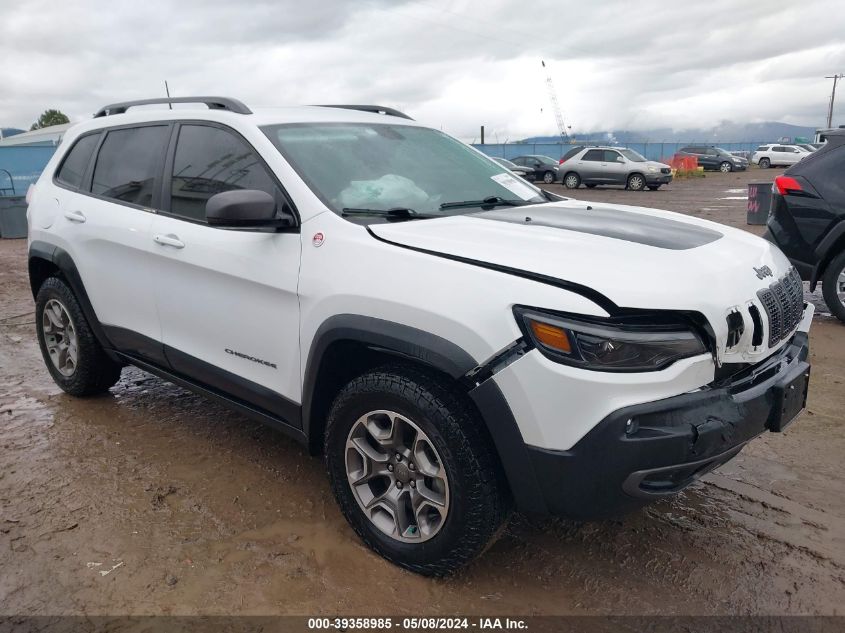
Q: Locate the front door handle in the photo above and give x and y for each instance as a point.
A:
(75, 216)
(169, 240)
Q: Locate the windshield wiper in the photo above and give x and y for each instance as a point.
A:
(399, 213)
(489, 201)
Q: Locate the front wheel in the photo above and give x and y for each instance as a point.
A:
(572, 181)
(549, 177)
(412, 471)
(725, 167)
(72, 354)
(636, 182)
(765, 163)
(833, 286)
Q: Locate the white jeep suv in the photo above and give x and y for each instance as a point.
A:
(454, 341)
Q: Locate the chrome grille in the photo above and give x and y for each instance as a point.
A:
(783, 302)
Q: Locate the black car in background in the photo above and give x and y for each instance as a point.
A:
(807, 219)
(541, 167)
(714, 158)
(522, 172)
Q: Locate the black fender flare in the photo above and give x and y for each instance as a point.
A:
(407, 342)
(825, 250)
(62, 260)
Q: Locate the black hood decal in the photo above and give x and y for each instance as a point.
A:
(608, 222)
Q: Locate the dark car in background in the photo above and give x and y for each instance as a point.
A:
(713, 158)
(541, 168)
(807, 219)
(522, 172)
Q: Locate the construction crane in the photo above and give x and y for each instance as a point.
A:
(561, 126)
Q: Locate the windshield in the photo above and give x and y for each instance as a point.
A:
(632, 155)
(382, 167)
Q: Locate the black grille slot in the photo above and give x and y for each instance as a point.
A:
(736, 328)
(783, 302)
(756, 319)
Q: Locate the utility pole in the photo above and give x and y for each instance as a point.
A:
(832, 98)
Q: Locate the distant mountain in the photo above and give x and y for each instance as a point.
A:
(9, 131)
(725, 132)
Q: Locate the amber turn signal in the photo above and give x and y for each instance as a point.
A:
(551, 336)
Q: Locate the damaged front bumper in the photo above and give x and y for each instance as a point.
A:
(646, 451)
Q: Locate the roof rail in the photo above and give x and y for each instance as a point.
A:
(213, 103)
(375, 109)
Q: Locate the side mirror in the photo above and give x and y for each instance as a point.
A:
(620, 159)
(242, 208)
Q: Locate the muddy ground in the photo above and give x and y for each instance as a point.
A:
(151, 500)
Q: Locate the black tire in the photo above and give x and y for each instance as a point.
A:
(478, 504)
(636, 182)
(590, 186)
(765, 163)
(94, 372)
(725, 167)
(830, 281)
(549, 177)
(654, 187)
(572, 180)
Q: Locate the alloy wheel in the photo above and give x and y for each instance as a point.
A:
(725, 167)
(548, 178)
(397, 476)
(840, 287)
(636, 183)
(571, 181)
(60, 337)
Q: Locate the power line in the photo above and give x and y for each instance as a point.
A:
(832, 98)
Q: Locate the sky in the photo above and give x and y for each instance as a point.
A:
(455, 65)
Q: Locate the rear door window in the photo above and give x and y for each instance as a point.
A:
(210, 160)
(129, 164)
(594, 155)
(76, 162)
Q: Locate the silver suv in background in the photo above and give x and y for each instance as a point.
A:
(593, 166)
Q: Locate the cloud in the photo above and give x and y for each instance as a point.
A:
(455, 65)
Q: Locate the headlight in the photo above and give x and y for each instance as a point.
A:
(653, 170)
(610, 345)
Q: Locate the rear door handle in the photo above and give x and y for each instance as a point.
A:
(169, 240)
(75, 216)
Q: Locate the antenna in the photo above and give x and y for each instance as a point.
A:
(550, 85)
(167, 90)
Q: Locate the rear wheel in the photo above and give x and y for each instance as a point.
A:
(725, 167)
(833, 286)
(412, 471)
(572, 180)
(72, 354)
(549, 177)
(636, 182)
(765, 163)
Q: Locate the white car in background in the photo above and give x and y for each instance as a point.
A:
(773, 154)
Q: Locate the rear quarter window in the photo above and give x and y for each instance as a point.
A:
(76, 162)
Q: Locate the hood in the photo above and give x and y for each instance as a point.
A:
(635, 257)
(654, 163)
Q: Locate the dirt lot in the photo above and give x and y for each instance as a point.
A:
(153, 501)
